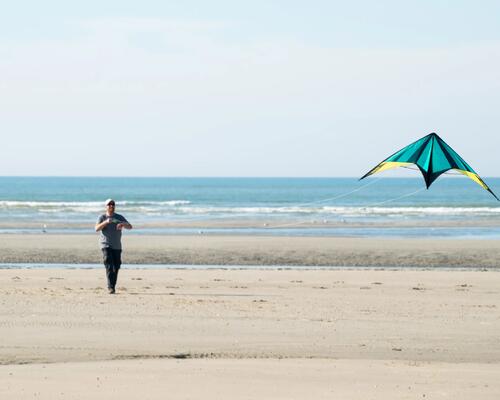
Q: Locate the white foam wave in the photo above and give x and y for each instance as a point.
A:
(450, 211)
(88, 205)
(444, 211)
(185, 207)
(154, 203)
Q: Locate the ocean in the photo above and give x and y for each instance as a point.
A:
(454, 207)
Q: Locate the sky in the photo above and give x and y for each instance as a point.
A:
(228, 88)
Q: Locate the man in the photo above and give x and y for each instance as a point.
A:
(110, 225)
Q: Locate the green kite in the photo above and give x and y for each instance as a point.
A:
(433, 157)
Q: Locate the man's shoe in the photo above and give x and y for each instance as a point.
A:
(111, 291)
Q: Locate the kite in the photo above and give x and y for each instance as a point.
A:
(433, 157)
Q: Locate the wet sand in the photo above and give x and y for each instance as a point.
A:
(255, 250)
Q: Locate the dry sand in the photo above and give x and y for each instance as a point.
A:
(250, 334)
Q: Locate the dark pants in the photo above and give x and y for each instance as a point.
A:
(112, 261)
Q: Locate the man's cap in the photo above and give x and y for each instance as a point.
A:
(109, 201)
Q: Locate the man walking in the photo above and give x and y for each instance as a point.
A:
(110, 225)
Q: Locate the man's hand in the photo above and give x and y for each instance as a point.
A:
(122, 225)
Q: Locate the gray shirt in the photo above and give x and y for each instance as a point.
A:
(109, 235)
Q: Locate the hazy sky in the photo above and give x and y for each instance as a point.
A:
(254, 88)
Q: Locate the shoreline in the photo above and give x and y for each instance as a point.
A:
(261, 223)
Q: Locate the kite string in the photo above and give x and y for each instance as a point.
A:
(340, 195)
(396, 198)
(369, 205)
(222, 217)
(324, 200)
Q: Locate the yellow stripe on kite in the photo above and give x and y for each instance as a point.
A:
(474, 177)
(384, 166)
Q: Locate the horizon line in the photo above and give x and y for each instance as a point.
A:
(222, 177)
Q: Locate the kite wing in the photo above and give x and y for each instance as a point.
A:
(433, 157)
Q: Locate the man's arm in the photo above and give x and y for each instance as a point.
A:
(103, 224)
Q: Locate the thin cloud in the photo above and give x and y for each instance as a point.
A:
(188, 87)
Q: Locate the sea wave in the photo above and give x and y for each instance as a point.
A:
(86, 205)
(444, 211)
(351, 211)
(186, 207)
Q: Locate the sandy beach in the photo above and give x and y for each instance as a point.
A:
(306, 196)
(245, 334)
